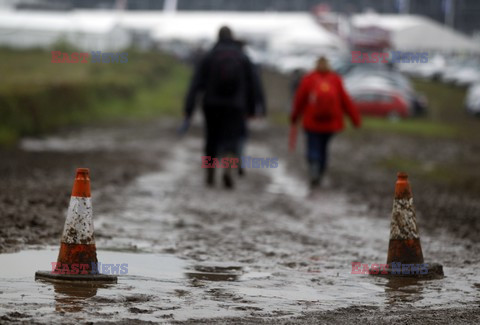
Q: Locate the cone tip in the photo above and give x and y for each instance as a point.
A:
(81, 185)
(83, 171)
(402, 175)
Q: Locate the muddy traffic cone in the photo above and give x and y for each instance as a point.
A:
(404, 245)
(405, 256)
(77, 259)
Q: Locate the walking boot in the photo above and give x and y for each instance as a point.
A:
(241, 171)
(314, 174)
(228, 179)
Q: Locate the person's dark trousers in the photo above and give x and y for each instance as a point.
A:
(224, 129)
(212, 141)
(240, 151)
(212, 134)
(317, 155)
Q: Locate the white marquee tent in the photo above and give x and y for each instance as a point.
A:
(280, 32)
(418, 33)
(26, 29)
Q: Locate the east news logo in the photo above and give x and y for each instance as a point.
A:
(396, 268)
(384, 57)
(94, 268)
(97, 57)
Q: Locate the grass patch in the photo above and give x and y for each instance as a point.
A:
(418, 168)
(457, 175)
(446, 106)
(420, 127)
(161, 98)
(37, 96)
(446, 117)
(445, 101)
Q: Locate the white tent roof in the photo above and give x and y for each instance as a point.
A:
(388, 22)
(26, 29)
(434, 37)
(305, 33)
(141, 20)
(417, 33)
(279, 29)
(24, 20)
(281, 32)
(57, 22)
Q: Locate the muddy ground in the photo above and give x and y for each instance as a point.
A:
(33, 196)
(293, 252)
(266, 252)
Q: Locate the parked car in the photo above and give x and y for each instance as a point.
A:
(380, 90)
(381, 77)
(381, 103)
(433, 69)
(472, 101)
(392, 82)
(462, 73)
(448, 74)
(467, 75)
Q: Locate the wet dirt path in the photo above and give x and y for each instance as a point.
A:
(263, 251)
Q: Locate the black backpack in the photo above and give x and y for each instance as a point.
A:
(226, 71)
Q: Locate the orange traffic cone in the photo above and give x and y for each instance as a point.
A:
(77, 259)
(405, 256)
(404, 245)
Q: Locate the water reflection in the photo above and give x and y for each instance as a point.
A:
(70, 297)
(400, 290)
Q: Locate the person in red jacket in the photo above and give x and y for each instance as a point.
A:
(322, 101)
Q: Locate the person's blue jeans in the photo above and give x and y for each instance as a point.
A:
(317, 153)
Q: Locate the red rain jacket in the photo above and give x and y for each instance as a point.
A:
(323, 101)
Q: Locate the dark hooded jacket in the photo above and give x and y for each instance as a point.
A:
(248, 93)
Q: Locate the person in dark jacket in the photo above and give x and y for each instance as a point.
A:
(322, 101)
(226, 78)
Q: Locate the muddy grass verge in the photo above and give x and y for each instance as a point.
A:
(364, 163)
(443, 177)
(36, 187)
